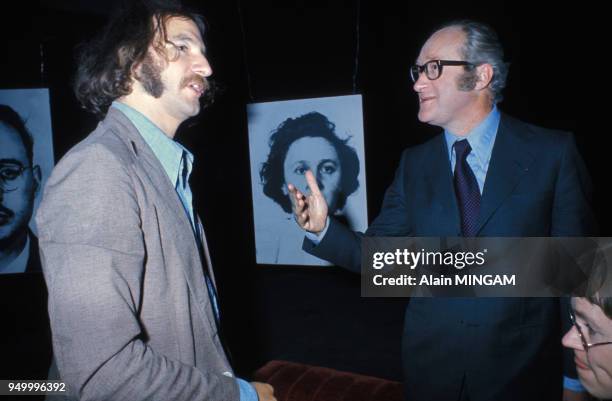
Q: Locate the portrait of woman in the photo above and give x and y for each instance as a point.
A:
(305, 143)
(302, 142)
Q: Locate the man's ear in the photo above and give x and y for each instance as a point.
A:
(484, 75)
(36, 176)
(135, 71)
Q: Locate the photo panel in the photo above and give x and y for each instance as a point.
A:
(287, 138)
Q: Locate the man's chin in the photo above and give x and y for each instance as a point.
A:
(190, 106)
(193, 111)
(423, 117)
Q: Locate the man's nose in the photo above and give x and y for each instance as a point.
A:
(201, 66)
(421, 83)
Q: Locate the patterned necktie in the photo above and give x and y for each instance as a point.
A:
(466, 189)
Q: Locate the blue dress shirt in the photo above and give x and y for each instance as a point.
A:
(481, 140)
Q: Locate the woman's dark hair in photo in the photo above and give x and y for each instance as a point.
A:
(313, 125)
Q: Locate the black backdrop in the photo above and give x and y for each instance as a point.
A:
(270, 51)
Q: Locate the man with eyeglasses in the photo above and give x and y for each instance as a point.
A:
(590, 335)
(19, 183)
(487, 174)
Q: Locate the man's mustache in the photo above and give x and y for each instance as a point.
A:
(195, 79)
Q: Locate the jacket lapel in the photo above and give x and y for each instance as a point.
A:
(440, 178)
(208, 265)
(510, 161)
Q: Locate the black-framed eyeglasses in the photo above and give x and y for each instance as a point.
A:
(585, 343)
(433, 68)
(10, 176)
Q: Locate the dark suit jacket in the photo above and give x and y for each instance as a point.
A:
(507, 349)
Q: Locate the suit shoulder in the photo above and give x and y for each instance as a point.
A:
(544, 136)
(423, 151)
(97, 172)
(103, 145)
(103, 159)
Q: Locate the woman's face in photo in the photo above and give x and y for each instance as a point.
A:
(318, 155)
(594, 366)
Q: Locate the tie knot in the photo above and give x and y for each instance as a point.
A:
(462, 149)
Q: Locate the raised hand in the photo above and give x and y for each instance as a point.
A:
(310, 211)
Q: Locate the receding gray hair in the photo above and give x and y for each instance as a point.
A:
(482, 46)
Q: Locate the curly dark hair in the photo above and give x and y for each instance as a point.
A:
(106, 63)
(308, 125)
(11, 118)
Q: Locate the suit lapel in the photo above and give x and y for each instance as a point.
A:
(208, 266)
(510, 161)
(440, 178)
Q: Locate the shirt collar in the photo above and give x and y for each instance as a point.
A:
(168, 152)
(481, 138)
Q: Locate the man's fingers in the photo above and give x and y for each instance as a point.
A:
(292, 192)
(296, 198)
(299, 206)
(300, 214)
(265, 392)
(303, 205)
(312, 183)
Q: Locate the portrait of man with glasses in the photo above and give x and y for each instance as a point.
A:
(19, 183)
(486, 174)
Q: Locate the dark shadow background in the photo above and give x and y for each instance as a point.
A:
(271, 51)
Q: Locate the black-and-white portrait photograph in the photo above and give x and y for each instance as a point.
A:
(288, 138)
(26, 160)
